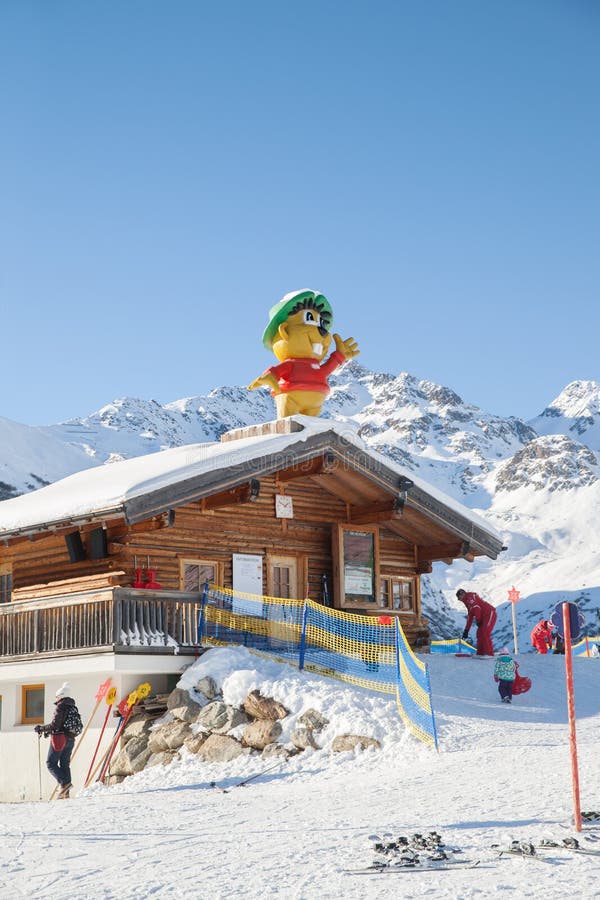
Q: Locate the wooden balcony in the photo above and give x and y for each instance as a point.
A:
(113, 619)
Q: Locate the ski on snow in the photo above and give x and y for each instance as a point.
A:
(574, 847)
(523, 850)
(445, 866)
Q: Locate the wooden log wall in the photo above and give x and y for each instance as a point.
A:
(242, 528)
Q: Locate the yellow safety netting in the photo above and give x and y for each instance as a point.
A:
(357, 649)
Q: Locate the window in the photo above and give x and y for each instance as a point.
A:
(282, 577)
(356, 565)
(397, 593)
(32, 704)
(194, 573)
(5, 583)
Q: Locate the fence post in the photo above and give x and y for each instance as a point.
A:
(435, 740)
(201, 619)
(303, 636)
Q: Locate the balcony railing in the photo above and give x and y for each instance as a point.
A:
(124, 620)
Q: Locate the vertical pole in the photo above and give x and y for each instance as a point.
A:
(397, 642)
(303, 636)
(514, 623)
(571, 707)
(40, 763)
(435, 740)
(587, 646)
(87, 777)
(202, 606)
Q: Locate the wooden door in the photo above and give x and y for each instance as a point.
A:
(283, 577)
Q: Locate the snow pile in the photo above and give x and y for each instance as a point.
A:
(236, 672)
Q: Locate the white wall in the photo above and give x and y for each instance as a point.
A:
(19, 745)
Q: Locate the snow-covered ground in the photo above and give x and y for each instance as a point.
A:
(502, 773)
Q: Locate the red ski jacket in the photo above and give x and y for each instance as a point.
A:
(479, 610)
(541, 632)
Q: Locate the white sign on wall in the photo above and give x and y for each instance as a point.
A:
(248, 573)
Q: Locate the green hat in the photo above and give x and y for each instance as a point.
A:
(290, 304)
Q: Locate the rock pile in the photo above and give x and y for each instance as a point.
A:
(204, 727)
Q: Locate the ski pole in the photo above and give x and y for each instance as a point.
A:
(110, 699)
(40, 763)
(103, 757)
(258, 774)
(246, 781)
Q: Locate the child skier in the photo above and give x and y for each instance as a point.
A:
(541, 636)
(504, 674)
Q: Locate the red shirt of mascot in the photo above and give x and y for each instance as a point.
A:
(298, 335)
(541, 636)
(484, 615)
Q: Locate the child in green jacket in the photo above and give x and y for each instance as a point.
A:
(505, 674)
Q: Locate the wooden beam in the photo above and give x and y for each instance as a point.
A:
(320, 465)
(380, 511)
(245, 493)
(466, 552)
(438, 552)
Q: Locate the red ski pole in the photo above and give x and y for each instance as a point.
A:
(110, 699)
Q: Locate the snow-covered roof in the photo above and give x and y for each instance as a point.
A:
(127, 487)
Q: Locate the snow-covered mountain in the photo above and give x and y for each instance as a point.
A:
(537, 481)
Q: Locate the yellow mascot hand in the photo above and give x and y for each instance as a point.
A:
(348, 348)
(267, 379)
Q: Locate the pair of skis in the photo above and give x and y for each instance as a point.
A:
(530, 851)
(417, 853)
(430, 866)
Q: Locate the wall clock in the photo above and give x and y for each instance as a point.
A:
(284, 507)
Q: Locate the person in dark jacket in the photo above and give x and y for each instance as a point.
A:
(484, 615)
(61, 741)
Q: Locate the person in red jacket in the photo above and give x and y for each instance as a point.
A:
(541, 636)
(484, 615)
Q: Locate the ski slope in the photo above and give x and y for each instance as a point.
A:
(502, 773)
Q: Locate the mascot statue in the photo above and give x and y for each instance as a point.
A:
(298, 334)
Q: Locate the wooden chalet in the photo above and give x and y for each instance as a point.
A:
(326, 517)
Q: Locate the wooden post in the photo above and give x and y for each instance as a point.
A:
(513, 596)
(514, 622)
(571, 708)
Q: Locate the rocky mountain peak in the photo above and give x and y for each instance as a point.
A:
(576, 411)
(552, 462)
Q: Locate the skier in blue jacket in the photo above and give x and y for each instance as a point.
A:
(505, 674)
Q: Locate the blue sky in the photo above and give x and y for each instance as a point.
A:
(168, 170)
